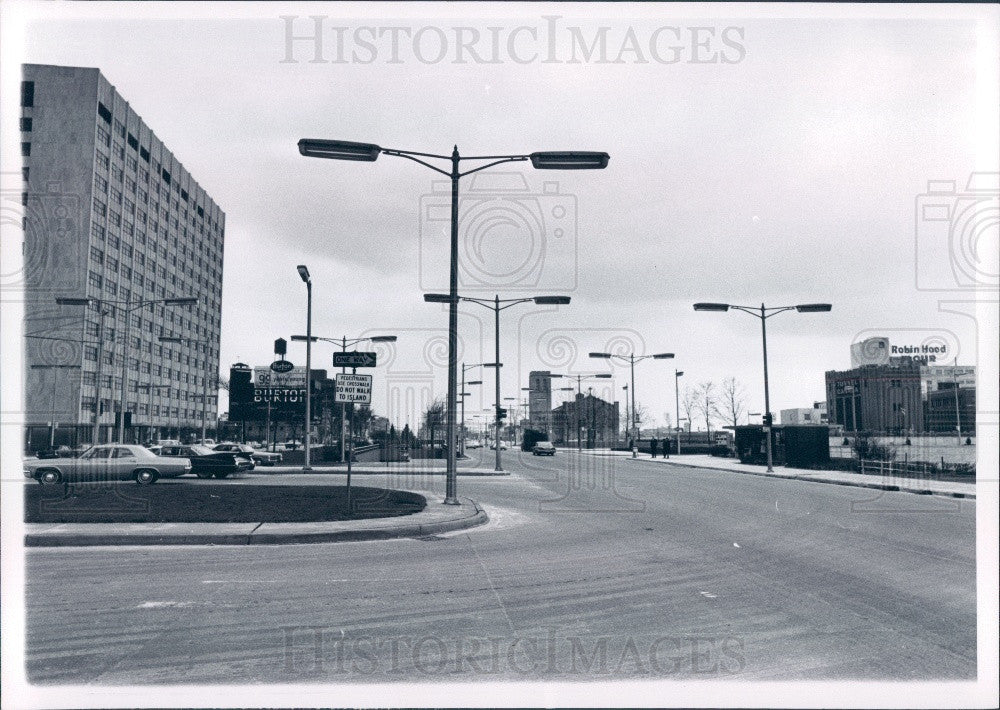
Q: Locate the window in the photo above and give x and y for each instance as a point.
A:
(132, 163)
(97, 231)
(116, 173)
(102, 184)
(97, 255)
(104, 113)
(119, 128)
(100, 208)
(103, 160)
(90, 352)
(26, 124)
(26, 149)
(103, 136)
(27, 93)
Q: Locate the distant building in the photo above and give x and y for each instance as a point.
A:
(805, 415)
(876, 398)
(591, 419)
(111, 215)
(944, 412)
(540, 400)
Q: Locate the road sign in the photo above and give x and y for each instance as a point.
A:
(354, 359)
(353, 388)
(282, 366)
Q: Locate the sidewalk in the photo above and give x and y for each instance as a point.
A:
(423, 466)
(435, 518)
(922, 486)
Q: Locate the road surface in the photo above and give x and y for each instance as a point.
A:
(591, 568)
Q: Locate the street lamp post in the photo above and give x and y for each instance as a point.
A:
(496, 305)
(126, 307)
(304, 275)
(677, 407)
(763, 313)
(632, 360)
(368, 152)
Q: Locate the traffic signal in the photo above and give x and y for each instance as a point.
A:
(768, 418)
(240, 389)
(280, 346)
(501, 413)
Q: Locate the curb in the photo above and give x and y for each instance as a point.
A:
(470, 514)
(836, 482)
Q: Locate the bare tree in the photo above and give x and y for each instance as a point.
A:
(733, 400)
(706, 403)
(434, 417)
(688, 404)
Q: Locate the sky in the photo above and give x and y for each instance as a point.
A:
(780, 156)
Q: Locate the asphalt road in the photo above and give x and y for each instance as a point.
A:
(591, 568)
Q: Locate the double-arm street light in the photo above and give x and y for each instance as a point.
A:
(631, 359)
(212, 383)
(763, 313)
(344, 342)
(126, 307)
(496, 305)
(368, 152)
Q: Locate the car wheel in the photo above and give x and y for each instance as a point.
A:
(222, 474)
(49, 476)
(203, 474)
(146, 476)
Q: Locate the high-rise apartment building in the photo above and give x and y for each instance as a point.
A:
(112, 216)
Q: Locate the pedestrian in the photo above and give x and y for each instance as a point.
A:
(652, 447)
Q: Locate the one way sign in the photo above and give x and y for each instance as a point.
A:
(354, 359)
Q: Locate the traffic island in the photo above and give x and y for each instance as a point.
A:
(428, 518)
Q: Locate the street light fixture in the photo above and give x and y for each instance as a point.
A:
(632, 360)
(548, 160)
(763, 313)
(126, 307)
(496, 305)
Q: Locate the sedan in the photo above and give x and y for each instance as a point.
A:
(205, 463)
(543, 448)
(503, 446)
(244, 453)
(108, 462)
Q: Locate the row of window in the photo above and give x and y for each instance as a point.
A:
(88, 404)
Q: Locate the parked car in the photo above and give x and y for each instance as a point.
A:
(262, 457)
(472, 444)
(243, 452)
(107, 462)
(543, 448)
(503, 445)
(205, 463)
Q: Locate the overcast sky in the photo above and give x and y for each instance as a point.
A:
(752, 159)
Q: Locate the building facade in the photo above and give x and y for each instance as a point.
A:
(588, 418)
(540, 400)
(805, 415)
(112, 216)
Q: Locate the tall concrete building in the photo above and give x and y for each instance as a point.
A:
(540, 400)
(112, 216)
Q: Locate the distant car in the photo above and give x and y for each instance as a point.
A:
(543, 448)
(107, 462)
(206, 442)
(167, 442)
(503, 446)
(243, 452)
(263, 457)
(473, 444)
(205, 463)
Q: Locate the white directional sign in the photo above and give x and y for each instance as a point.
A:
(353, 388)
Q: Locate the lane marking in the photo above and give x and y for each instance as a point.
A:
(707, 595)
(161, 605)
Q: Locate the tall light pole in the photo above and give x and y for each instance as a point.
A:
(677, 407)
(763, 313)
(368, 152)
(496, 305)
(126, 307)
(304, 275)
(344, 342)
(631, 359)
(627, 421)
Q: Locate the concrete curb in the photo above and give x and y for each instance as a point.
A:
(833, 481)
(371, 471)
(435, 518)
